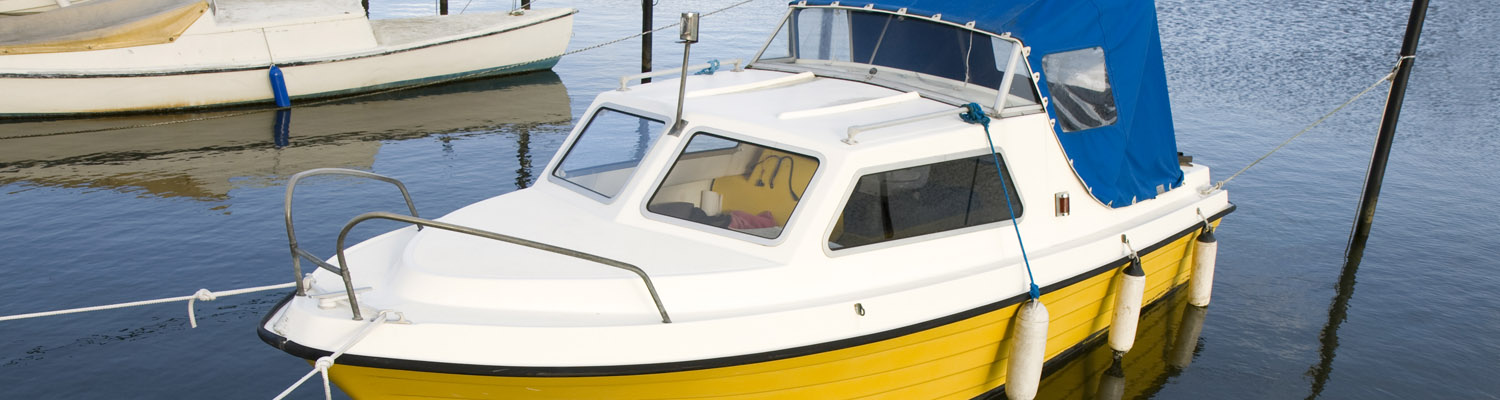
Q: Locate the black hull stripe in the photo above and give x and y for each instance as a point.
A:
(289, 64)
(309, 353)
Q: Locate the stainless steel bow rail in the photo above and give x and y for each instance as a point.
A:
(343, 270)
(291, 234)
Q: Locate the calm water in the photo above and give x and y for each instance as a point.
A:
(146, 213)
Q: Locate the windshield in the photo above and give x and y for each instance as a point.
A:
(734, 185)
(606, 153)
(843, 37)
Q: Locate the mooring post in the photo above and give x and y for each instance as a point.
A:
(442, 7)
(1383, 141)
(646, 7)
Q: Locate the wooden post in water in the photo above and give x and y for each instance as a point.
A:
(1383, 141)
(646, 39)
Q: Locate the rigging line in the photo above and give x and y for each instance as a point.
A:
(362, 95)
(322, 364)
(975, 115)
(880, 39)
(1325, 117)
(202, 294)
(466, 7)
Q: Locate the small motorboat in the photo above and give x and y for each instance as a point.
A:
(114, 56)
(843, 217)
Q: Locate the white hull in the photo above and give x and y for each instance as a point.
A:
(217, 63)
(23, 7)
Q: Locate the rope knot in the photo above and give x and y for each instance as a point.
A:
(323, 363)
(975, 115)
(204, 295)
(713, 66)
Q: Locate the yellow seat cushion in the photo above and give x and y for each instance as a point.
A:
(775, 171)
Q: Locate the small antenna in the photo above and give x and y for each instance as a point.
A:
(687, 36)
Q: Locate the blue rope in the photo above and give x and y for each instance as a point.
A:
(977, 116)
(713, 66)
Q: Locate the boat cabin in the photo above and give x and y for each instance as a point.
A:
(855, 109)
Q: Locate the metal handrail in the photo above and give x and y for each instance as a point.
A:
(625, 80)
(291, 234)
(349, 283)
(857, 129)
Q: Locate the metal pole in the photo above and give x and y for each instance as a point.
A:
(646, 9)
(1387, 129)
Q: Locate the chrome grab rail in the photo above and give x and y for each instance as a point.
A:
(625, 80)
(349, 284)
(291, 234)
(857, 129)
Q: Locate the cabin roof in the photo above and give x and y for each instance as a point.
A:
(813, 113)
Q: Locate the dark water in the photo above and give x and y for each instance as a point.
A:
(110, 217)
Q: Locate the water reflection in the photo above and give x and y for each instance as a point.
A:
(1338, 311)
(1167, 340)
(204, 160)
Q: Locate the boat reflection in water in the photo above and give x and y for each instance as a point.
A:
(205, 159)
(1166, 342)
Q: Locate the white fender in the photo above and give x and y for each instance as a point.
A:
(1024, 374)
(1201, 288)
(1127, 307)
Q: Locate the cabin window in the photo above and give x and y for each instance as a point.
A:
(1081, 95)
(923, 200)
(608, 150)
(734, 185)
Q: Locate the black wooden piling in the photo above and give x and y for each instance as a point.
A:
(1387, 129)
(646, 7)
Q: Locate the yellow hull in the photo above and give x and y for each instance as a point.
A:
(957, 360)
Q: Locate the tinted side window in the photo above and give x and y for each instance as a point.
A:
(922, 200)
(1081, 93)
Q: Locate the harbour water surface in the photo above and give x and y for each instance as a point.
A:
(125, 215)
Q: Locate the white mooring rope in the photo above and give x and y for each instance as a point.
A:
(1372, 86)
(323, 363)
(201, 295)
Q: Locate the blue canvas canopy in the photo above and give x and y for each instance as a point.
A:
(1133, 156)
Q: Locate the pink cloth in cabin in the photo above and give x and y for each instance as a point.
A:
(744, 220)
